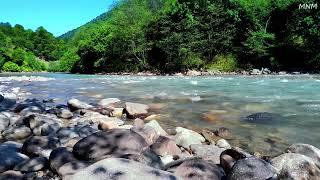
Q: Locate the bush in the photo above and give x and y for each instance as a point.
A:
(32, 63)
(18, 56)
(192, 61)
(54, 66)
(11, 67)
(68, 61)
(226, 63)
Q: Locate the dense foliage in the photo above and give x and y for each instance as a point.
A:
(176, 35)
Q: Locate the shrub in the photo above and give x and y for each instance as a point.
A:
(54, 66)
(192, 61)
(226, 63)
(68, 61)
(32, 63)
(18, 56)
(11, 67)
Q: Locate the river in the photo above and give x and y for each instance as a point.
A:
(202, 102)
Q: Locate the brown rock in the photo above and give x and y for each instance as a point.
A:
(223, 132)
(136, 110)
(210, 136)
(165, 146)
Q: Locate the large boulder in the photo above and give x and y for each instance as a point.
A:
(147, 157)
(70, 168)
(165, 146)
(230, 156)
(148, 133)
(12, 175)
(195, 169)
(32, 165)
(136, 110)
(113, 142)
(122, 169)
(264, 118)
(40, 145)
(42, 124)
(109, 103)
(186, 137)
(207, 152)
(307, 150)
(75, 104)
(252, 168)
(16, 133)
(10, 155)
(296, 167)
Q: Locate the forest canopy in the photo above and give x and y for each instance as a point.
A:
(169, 36)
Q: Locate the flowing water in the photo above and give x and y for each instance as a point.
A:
(203, 102)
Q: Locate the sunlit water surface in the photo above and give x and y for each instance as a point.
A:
(204, 102)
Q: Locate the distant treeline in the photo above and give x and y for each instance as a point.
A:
(178, 35)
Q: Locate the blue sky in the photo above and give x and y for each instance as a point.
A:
(57, 16)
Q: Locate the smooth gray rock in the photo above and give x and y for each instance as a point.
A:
(72, 167)
(121, 169)
(12, 175)
(64, 113)
(136, 110)
(59, 157)
(295, 166)
(32, 105)
(64, 134)
(10, 155)
(113, 142)
(42, 124)
(207, 152)
(40, 145)
(32, 165)
(147, 157)
(86, 130)
(186, 137)
(307, 150)
(199, 169)
(16, 133)
(75, 104)
(252, 168)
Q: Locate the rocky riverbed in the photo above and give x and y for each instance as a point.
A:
(113, 139)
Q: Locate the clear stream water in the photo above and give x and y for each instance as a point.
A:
(204, 102)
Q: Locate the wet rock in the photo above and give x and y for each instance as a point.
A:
(32, 105)
(307, 150)
(4, 120)
(222, 143)
(10, 155)
(252, 168)
(75, 104)
(42, 124)
(32, 165)
(109, 103)
(40, 145)
(223, 132)
(16, 133)
(186, 137)
(64, 113)
(64, 134)
(59, 157)
(199, 169)
(230, 156)
(210, 136)
(207, 152)
(118, 168)
(112, 142)
(165, 146)
(263, 118)
(296, 167)
(156, 126)
(12, 175)
(148, 133)
(136, 110)
(214, 116)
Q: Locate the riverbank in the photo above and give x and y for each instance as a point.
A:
(113, 138)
